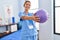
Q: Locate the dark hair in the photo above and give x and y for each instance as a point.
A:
(26, 2)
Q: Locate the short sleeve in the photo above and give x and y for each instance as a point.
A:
(20, 14)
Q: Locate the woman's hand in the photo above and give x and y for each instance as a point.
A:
(36, 19)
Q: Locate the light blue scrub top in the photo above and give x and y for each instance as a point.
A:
(25, 23)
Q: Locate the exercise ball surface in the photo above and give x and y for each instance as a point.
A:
(42, 14)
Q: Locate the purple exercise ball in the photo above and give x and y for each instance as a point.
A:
(43, 15)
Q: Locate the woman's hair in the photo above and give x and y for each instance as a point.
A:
(26, 2)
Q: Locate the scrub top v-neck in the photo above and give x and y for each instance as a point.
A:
(25, 30)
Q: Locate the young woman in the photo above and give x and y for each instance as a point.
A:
(27, 20)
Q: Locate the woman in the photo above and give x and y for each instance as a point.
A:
(28, 30)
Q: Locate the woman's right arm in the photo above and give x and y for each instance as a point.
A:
(35, 18)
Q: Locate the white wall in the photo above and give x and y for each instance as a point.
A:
(14, 3)
(46, 29)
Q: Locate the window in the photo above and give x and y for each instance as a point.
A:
(57, 18)
(57, 2)
(34, 4)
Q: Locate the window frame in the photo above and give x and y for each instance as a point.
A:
(54, 17)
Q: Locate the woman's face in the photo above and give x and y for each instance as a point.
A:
(27, 5)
